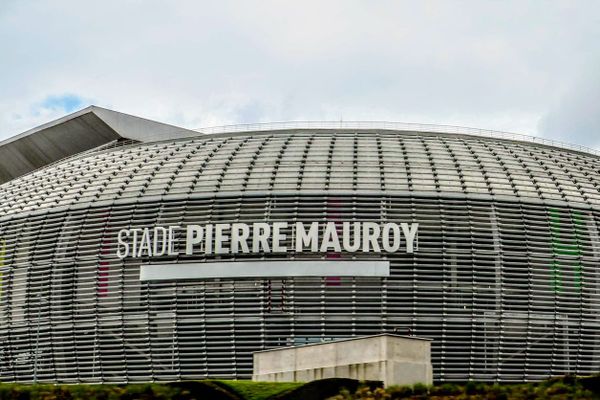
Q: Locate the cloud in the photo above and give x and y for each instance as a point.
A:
(575, 117)
(483, 64)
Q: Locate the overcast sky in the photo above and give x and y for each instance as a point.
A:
(525, 67)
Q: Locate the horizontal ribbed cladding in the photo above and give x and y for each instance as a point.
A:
(309, 161)
(508, 290)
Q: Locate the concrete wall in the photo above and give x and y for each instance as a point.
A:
(393, 359)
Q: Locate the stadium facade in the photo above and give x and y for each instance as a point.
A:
(132, 250)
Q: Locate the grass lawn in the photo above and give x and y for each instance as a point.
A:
(250, 390)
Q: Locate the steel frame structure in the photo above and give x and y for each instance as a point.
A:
(505, 279)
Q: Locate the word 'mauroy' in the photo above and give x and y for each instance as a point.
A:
(268, 238)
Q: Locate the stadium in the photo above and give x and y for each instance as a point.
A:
(132, 250)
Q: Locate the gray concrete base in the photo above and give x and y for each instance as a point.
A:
(393, 359)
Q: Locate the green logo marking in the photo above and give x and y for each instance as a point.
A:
(566, 245)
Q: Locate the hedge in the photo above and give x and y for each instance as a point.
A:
(185, 390)
(566, 387)
(559, 388)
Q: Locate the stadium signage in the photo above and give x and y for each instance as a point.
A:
(315, 237)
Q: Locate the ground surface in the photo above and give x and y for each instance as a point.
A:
(568, 387)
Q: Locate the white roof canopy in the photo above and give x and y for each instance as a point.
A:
(83, 130)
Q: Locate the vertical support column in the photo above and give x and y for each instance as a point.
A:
(492, 349)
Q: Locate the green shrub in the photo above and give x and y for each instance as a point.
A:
(400, 392)
(344, 394)
(446, 389)
(470, 388)
(363, 393)
(582, 393)
(591, 383)
(419, 389)
(14, 392)
(497, 392)
(62, 393)
(204, 390)
(558, 388)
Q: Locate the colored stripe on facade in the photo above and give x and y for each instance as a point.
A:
(566, 244)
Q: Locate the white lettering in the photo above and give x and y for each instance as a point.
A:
(193, 235)
(134, 241)
(239, 238)
(385, 237)
(162, 241)
(260, 236)
(410, 235)
(123, 244)
(145, 243)
(208, 240)
(330, 238)
(309, 238)
(221, 239)
(371, 232)
(171, 241)
(351, 248)
(279, 237)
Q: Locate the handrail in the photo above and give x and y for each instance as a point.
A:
(397, 126)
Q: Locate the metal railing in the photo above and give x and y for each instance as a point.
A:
(396, 126)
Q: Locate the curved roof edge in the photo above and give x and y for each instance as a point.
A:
(75, 133)
(95, 126)
(394, 126)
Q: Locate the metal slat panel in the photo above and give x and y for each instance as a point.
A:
(508, 287)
